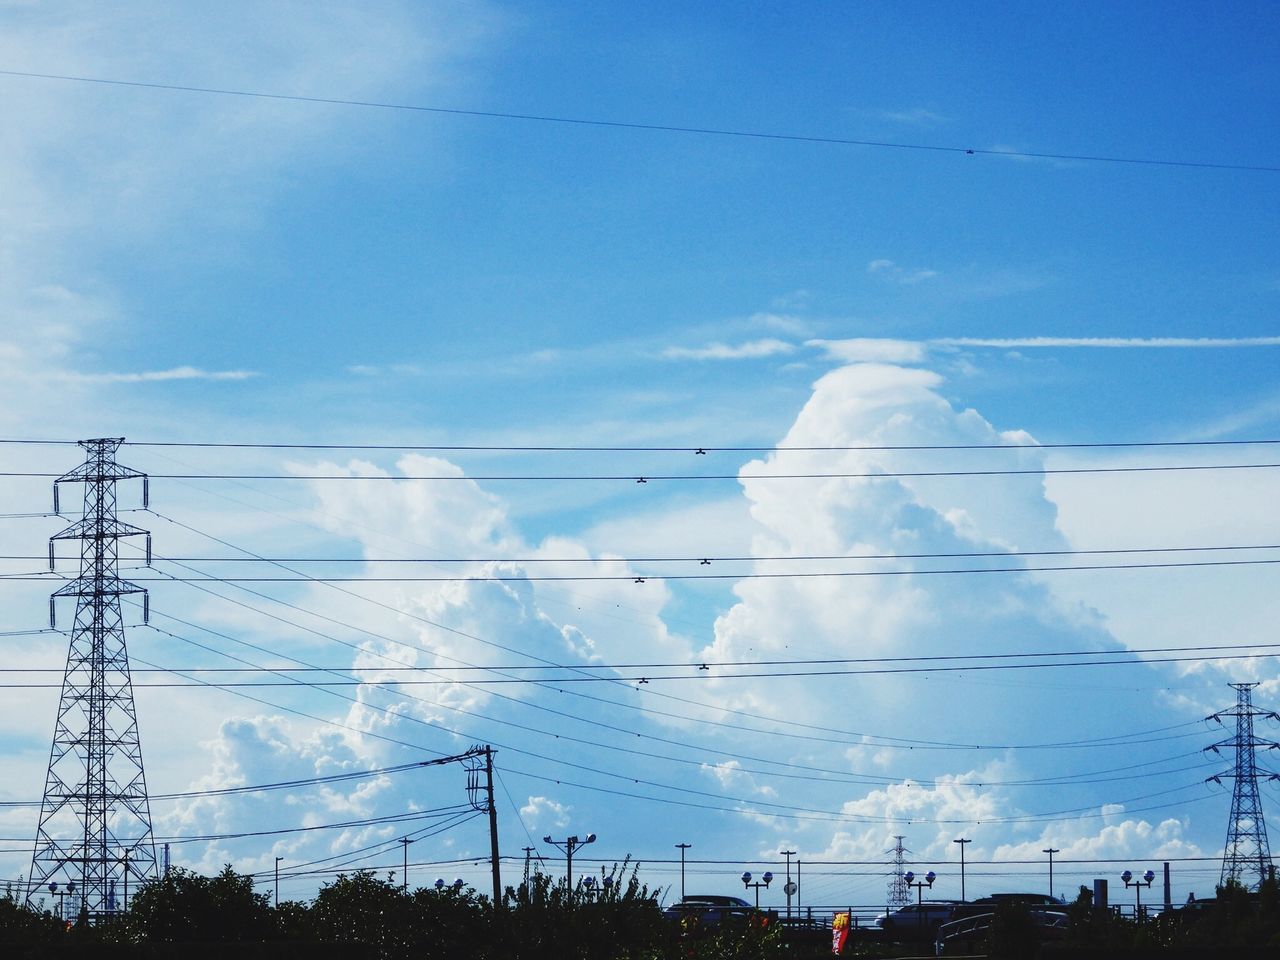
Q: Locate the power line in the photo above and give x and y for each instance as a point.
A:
(673, 477)
(708, 558)
(641, 577)
(650, 127)
(948, 659)
(856, 737)
(702, 449)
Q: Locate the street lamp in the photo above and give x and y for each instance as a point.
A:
(1051, 851)
(764, 881)
(440, 885)
(962, 842)
(1137, 885)
(682, 848)
(69, 891)
(911, 880)
(568, 846)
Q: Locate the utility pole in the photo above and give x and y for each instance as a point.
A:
(1247, 858)
(682, 847)
(95, 800)
(493, 829)
(789, 888)
(962, 842)
(1051, 851)
(278, 859)
(405, 841)
(528, 852)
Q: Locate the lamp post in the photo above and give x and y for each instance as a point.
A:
(568, 846)
(1137, 885)
(1051, 851)
(682, 847)
(962, 842)
(764, 881)
(919, 885)
(69, 890)
(278, 859)
(789, 888)
(441, 885)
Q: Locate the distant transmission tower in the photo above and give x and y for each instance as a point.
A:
(1247, 860)
(899, 891)
(95, 818)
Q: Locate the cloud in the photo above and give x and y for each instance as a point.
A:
(1120, 343)
(153, 376)
(887, 350)
(891, 271)
(541, 812)
(751, 350)
(917, 117)
(871, 350)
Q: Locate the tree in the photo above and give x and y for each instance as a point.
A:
(184, 906)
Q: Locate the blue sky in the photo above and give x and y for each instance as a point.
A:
(196, 267)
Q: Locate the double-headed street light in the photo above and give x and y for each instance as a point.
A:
(569, 845)
(764, 881)
(69, 890)
(1137, 885)
(911, 880)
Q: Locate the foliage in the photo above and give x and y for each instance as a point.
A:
(543, 918)
(184, 906)
(22, 927)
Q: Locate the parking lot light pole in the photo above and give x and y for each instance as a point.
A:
(764, 881)
(962, 842)
(1137, 885)
(682, 847)
(1051, 851)
(570, 844)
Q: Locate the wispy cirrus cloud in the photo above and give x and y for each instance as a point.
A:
(872, 350)
(916, 117)
(156, 376)
(891, 271)
(751, 350)
(886, 350)
(1018, 343)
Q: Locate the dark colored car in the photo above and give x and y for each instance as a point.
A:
(917, 921)
(708, 910)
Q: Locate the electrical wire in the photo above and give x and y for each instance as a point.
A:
(703, 449)
(702, 131)
(655, 477)
(706, 558)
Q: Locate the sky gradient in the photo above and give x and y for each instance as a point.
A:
(203, 267)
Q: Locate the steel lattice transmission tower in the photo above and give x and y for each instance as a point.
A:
(899, 892)
(95, 818)
(1247, 859)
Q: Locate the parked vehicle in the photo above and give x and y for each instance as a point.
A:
(970, 933)
(708, 910)
(917, 921)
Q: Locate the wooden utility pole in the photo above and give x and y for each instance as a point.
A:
(493, 829)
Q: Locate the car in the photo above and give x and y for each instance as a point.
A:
(917, 921)
(970, 934)
(708, 910)
(1033, 901)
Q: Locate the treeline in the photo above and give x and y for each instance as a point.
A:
(360, 915)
